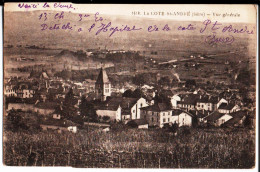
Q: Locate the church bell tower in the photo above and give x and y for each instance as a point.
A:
(102, 85)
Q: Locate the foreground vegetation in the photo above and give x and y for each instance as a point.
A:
(133, 148)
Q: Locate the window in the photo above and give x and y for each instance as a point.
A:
(163, 114)
(202, 106)
(168, 119)
(198, 105)
(133, 111)
(141, 105)
(163, 119)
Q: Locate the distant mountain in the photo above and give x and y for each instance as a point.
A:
(66, 55)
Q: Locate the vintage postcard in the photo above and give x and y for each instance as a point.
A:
(130, 86)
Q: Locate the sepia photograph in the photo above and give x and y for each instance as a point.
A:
(130, 86)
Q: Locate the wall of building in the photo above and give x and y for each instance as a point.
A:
(165, 117)
(182, 119)
(114, 115)
(174, 101)
(23, 106)
(153, 118)
(223, 119)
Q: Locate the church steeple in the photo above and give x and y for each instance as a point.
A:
(102, 85)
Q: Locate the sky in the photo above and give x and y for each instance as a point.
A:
(247, 12)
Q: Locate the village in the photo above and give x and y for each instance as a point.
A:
(67, 105)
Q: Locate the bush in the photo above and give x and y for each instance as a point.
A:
(185, 131)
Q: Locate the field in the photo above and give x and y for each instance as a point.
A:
(132, 148)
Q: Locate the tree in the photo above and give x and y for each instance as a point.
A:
(137, 93)
(68, 105)
(83, 107)
(128, 93)
(165, 81)
(247, 121)
(190, 83)
(87, 111)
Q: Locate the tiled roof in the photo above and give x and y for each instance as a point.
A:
(126, 103)
(200, 113)
(226, 106)
(159, 107)
(176, 112)
(233, 121)
(102, 77)
(189, 99)
(214, 116)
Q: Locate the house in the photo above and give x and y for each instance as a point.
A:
(222, 100)
(228, 108)
(111, 110)
(217, 119)
(188, 102)
(182, 118)
(130, 106)
(56, 116)
(21, 90)
(138, 123)
(206, 102)
(59, 125)
(237, 120)
(174, 100)
(200, 115)
(157, 114)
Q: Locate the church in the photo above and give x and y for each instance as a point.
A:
(102, 86)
